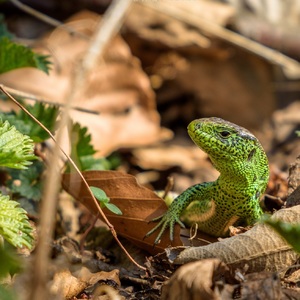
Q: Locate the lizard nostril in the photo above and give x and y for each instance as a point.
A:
(195, 125)
(192, 126)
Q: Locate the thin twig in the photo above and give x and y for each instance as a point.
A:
(169, 186)
(86, 232)
(32, 97)
(193, 231)
(104, 31)
(46, 19)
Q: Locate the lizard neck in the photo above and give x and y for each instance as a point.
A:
(235, 183)
(240, 177)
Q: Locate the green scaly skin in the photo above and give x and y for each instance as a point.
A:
(234, 197)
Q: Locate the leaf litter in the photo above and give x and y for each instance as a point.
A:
(123, 103)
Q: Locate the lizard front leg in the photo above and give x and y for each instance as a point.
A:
(199, 192)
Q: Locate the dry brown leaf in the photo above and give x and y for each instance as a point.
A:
(106, 292)
(117, 88)
(260, 248)
(154, 26)
(194, 281)
(294, 184)
(164, 157)
(212, 279)
(92, 278)
(138, 204)
(263, 285)
(294, 198)
(66, 285)
(285, 121)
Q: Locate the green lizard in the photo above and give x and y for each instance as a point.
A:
(234, 197)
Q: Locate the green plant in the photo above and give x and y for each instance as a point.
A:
(290, 232)
(16, 151)
(14, 56)
(27, 182)
(101, 196)
(83, 152)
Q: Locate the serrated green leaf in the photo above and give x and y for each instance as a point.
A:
(6, 294)
(16, 149)
(113, 208)
(14, 224)
(99, 194)
(290, 232)
(27, 183)
(42, 62)
(3, 28)
(14, 56)
(89, 162)
(13, 120)
(46, 114)
(10, 262)
(82, 150)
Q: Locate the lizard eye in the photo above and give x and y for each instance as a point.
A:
(224, 134)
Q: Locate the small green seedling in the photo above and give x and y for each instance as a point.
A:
(290, 232)
(101, 196)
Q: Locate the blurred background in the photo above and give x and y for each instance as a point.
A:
(171, 62)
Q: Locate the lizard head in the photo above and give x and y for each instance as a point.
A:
(224, 141)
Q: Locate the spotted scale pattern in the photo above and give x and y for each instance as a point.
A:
(234, 197)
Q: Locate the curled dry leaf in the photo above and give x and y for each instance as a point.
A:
(66, 285)
(294, 198)
(260, 248)
(263, 285)
(138, 204)
(294, 184)
(106, 292)
(69, 285)
(93, 278)
(116, 90)
(294, 176)
(212, 279)
(196, 281)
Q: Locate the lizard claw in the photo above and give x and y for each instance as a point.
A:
(166, 221)
(155, 220)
